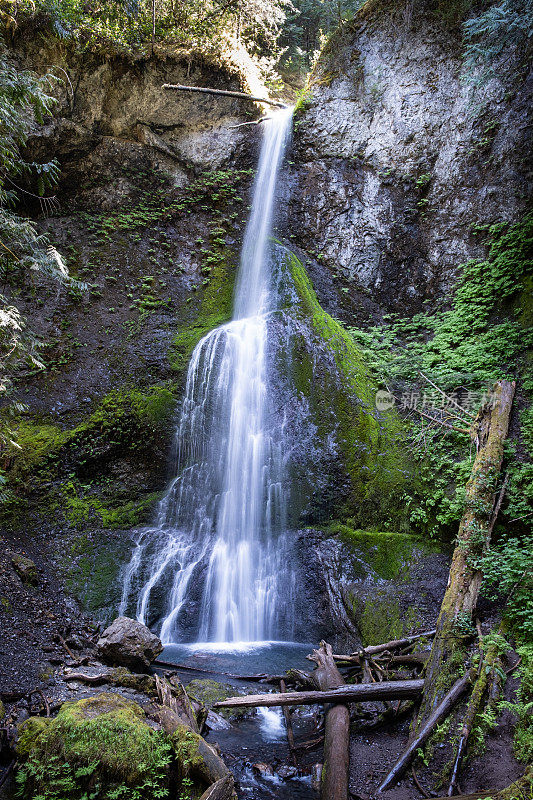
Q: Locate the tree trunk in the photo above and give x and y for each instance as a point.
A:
(489, 433)
(334, 781)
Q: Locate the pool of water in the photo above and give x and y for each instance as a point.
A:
(261, 737)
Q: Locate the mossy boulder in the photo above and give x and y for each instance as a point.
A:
(99, 747)
(209, 692)
(25, 569)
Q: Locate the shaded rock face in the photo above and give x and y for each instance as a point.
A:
(364, 587)
(129, 643)
(112, 109)
(397, 159)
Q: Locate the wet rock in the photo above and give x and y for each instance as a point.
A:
(260, 768)
(129, 643)
(217, 723)
(287, 773)
(25, 569)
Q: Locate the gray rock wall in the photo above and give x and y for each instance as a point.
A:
(397, 159)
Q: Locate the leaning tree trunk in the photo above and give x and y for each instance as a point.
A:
(489, 431)
(334, 781)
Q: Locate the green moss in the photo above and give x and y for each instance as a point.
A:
(215, 309)
(91, 568)
(380, 619)
(102, 744)
(185, 745)
(80, 506)
(2, 710)
(372, 444)
(120, 676)
(28, 733)
(126, 421)
(209, 692)
(389, 555)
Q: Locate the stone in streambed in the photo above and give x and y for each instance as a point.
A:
(287, 773)
(261, 768)
(129, 643)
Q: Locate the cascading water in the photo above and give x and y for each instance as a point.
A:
(219, 541)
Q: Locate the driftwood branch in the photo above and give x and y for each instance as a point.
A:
(374, 649)
(350, 693)
(423, 735)
(224, 93)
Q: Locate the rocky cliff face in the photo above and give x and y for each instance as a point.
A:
(398, 159)
(111, 107)
(149, 213)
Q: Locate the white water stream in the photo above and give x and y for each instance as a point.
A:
(218, 550)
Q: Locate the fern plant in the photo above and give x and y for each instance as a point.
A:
(25, 99)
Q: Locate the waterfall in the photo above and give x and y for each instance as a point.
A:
(218, 550)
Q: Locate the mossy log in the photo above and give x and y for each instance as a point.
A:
(489, 433)
(203, 761)
(486, 670)
(442, 710)
(334, 781)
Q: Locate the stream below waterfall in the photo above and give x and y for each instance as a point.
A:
(259, 737)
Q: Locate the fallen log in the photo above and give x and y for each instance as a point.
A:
(262, 677)
(177, 718)
(206, 766)
(489, 432)
(334, 778)
(486, 668)
(349, 693)
(381, 648)
(221, 790)
(224, 93)
(423, 735)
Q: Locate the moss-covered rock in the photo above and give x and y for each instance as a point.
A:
(215, 308)
(372, 467)
(209, 692)
(28, 733)
(102, 745)
(125, 421)
(25, 569)
(391, 583)
(384, 554)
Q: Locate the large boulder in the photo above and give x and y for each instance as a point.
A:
(129, 643)
(101, 746)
